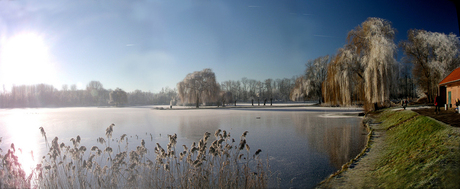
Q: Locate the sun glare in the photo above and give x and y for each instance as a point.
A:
(24, 59)
(21, 129)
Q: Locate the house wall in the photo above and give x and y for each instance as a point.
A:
(454, 89)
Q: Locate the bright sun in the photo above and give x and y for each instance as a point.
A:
(24, 59)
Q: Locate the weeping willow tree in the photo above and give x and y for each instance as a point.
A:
(362, 69)
(199, 86)
(344, 81)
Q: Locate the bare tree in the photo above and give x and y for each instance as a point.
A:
(118, 97)
(268, 88)
(94, 85)
(309, 85)
(299, 92)
(73, 87)
(96, 93)
(226, 97)
(199, 86)
(245, 88)
(433, 55)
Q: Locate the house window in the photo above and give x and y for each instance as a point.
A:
(448, 98)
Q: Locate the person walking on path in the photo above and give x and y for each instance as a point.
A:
(457, 103)
(436, 100)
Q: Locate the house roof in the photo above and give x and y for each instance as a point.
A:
(452, 77)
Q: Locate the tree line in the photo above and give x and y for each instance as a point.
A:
(201, 87)
(43, 95)
(365, 71)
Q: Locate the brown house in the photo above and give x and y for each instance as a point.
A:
(449, 88)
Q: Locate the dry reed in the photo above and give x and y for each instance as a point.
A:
(221, 165)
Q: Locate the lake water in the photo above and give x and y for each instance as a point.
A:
(304, 144)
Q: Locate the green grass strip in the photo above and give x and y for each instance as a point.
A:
(391, 118)
(420, 153)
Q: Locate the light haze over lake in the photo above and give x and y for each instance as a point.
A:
(303, 144)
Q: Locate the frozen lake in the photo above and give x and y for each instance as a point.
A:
(304, 144)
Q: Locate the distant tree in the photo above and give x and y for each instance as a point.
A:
(285, 86)
(252, 89)
(225, 97)
(94, 85)
(433, 55)
(118, 97)
(97, 94)
(268, 88)
(309, 85)
(73, 87)
(199, 86)
(299, 92)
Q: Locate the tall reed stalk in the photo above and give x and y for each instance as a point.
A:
(220, 163)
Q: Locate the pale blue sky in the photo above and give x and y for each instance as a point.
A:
(148, 45)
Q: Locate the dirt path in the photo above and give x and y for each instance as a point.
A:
(449, 116)
(358, 175)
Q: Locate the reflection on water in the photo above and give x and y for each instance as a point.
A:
(339, 137)
(303, 146)
(193, 125)
(18, 131)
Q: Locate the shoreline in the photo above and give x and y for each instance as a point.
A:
(245, 106)
(393, 130)
(352, 163)
(233, 107)
(355, 173)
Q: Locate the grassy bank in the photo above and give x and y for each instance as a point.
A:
(421, 152)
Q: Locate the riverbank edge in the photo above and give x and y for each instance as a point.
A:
(259, 107)
(379, 141)
(370, 133)
(233, 107)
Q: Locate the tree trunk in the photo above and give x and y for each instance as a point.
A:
(197, 102)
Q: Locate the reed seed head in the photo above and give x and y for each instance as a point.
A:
(42, 131)
(101, 140)
(258, 151)
(242, 144)
(244, 134)
(224, 134)
(108, 149)
(122, 137)
(94, 148)
(216, 134)
(109, 130)
(82, 149)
